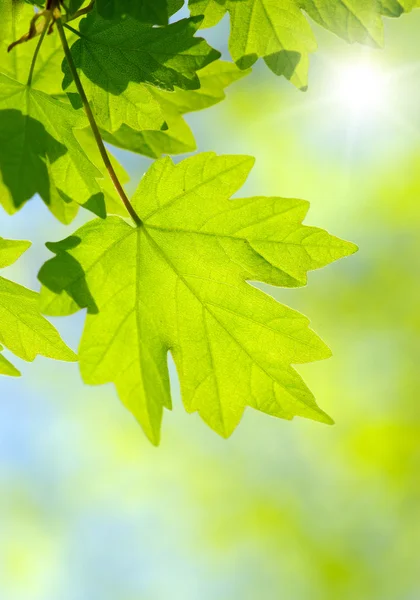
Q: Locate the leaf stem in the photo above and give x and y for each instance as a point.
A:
(37, 49)
(94, 126)
(70, 28)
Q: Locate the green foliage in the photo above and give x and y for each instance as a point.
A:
(279, 32)
(111, 54)
(170, 270)
(174, 137)
(23, 329)
(178, 283)
(125, 107)
(51, 160)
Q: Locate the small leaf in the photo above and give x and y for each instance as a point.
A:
(23, 330)
(179, 283)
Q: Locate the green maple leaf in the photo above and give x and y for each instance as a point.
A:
(111, 54)
(278, 32)
(47, 78)
(23, 329)
(50, 162)
(39, 153)
(119, 60)
(136, 107)
(178, 283)
(356, 20)
(213, 81)
(148, 11)
(176, 137)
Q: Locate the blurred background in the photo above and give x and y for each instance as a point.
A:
(282, 510)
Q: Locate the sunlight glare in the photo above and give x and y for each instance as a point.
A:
(362, 89)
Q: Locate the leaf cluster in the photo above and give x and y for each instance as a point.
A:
(175, 276)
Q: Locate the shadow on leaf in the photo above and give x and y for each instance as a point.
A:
(26, 148)
(112, 54)
(64, 273)
(284, 63)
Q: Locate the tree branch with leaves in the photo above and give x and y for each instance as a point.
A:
(169, 269)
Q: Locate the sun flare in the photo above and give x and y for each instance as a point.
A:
(362, 89)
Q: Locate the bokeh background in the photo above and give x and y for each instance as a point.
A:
(282, 510)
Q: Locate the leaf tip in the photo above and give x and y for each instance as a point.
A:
(152, 435)
(73, 357)
(352, 248)
(325, 418)
(66, 355)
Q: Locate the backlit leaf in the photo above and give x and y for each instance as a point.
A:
(39, 153)
(111, 54)
(279, 32)
(176, 137)
(179, 283)
(23, 330)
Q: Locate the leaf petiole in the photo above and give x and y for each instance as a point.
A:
(70, 28)
(37, 49)
(93, 124)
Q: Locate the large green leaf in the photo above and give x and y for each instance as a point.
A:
(179, 282)
(23, 330)
(278, 31)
